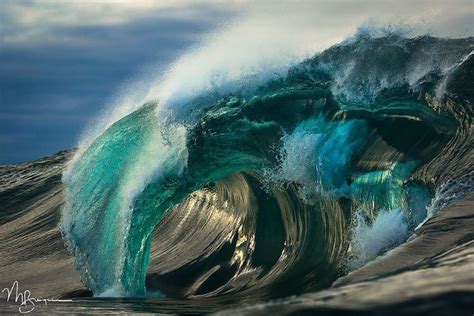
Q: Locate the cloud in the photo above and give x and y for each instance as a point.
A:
(36, 20)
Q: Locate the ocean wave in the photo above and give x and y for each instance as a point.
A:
(295, 181)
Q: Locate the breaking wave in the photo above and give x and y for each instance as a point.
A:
(274, 184)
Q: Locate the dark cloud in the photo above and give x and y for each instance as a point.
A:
(51, 87)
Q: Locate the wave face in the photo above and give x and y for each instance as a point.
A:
(277, 189)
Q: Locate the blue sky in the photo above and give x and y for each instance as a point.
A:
(62, 62)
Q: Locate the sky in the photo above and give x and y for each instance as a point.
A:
(63, 63)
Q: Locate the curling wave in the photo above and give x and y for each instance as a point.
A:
(279, 188)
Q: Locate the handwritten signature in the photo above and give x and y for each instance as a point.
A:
(26, 301)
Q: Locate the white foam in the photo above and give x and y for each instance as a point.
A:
(299, 163)
(109, 293)
(388, 230)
